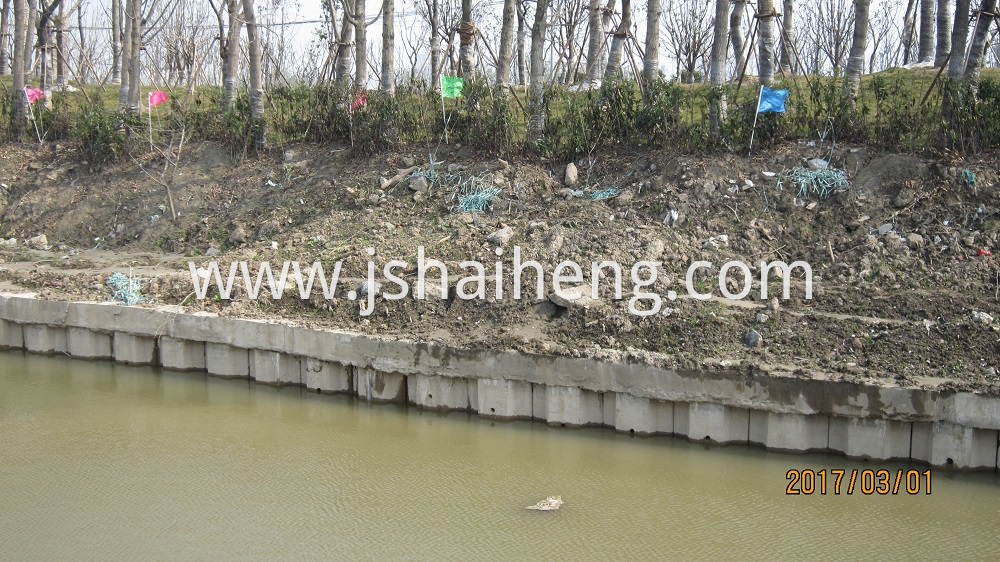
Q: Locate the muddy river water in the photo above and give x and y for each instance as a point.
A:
(101, 461)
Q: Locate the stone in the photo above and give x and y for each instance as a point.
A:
(409, 162)
(753, 339)
(914, 241)
(40, 242)
(419, 183)
(455, 168)
(501, 236)
(565, 297)
(212, 251)
(818, 164)
(903, 198)
(982, 318)
(567, 193)
(572, 176)
(238, 235)
(716, 242)
(8, 242)
(884, 229)
(762, 318)
(774, 306)
(364, 289)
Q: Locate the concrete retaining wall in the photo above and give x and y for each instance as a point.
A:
(791, 414)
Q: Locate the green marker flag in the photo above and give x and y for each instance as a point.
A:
(451, 86)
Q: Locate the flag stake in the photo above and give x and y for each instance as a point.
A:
(149, 104)
(756, 114)
(31, 112)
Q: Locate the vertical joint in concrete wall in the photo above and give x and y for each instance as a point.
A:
(11, 335)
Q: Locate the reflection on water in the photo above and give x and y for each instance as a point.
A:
(105, 461)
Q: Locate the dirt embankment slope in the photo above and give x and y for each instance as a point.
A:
(901, 279)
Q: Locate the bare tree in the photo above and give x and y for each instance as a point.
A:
(135, 78)
(720, 40)
(859, 45)
(651, 58)
(536, 123)
(829, 25)
(18, 108)
(506, 42)
(926, 50)
(569, 17)
(116, 41)
(595, 40)
(959, 40)
(43, 28)
(522, 67)
(736, 33)
(765, 61)
(687, 26)
(387, 81)
(979, 40)
(467, 36)
(230, 22)
(909, 30)
(256, 78)
(943, 48)
(787, 32)
(622, 33)
(4, 27)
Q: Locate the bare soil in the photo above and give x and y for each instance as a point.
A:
(894, 307)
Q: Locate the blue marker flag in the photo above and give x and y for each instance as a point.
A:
(772, 100)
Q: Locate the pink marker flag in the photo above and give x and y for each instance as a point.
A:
(157, 97)
(33, 94)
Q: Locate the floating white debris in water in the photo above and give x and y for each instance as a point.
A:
(550, 503)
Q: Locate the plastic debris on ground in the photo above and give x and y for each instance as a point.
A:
(822, 182)
(605, 193)
(125, 290)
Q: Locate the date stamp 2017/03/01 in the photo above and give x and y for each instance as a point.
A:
(848, 481)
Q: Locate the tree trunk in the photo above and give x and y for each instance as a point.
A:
(506, 43)
(766, 57)
(360, 45)
(959, 40)
(42, 32)
(29, 39)
(979, 39)
(388, 78)
(116, 41)
(4, 25)
(135, 76)
(595, 25)
(943, 47)
(126, 55)
(522, 69)
(18, 104)
(256, 75)
(651, 58)
(466, 37)
(82, 53)
(717, 74)
(536, 123)
(736, 33)
(788, 30)
(435, 46)
(925, 53)
(231, 54)
(344, 50)
(859, 44)
(621, 34)
(61, 48)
